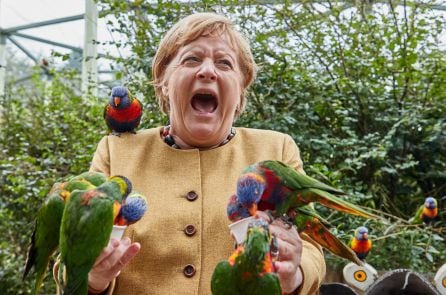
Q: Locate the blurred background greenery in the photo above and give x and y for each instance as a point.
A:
(360, 87)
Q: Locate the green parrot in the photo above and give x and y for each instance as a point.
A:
(95, 178)
(87, 222)
(46, 233)
(249, 270)
(280, 188)
(426, 213)
(45, 236)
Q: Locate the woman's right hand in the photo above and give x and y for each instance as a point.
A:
(110, 263)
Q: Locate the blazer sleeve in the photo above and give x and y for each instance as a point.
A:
(101, 158)
(291, 154)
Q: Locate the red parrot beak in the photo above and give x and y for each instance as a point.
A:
(253, 209)
(365, 236)
(117, 100)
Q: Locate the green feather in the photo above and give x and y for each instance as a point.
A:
(247, 275)
(86, 226)
(45, 237)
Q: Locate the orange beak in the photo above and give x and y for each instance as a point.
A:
(253, 209)
(117, 100)
(116, 208)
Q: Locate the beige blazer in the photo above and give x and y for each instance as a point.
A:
(185, 232)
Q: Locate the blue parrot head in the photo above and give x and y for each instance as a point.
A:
(250, 188)
(430, 203)
(235, 210)
(362, 233)
(119, 98)
(134, 208)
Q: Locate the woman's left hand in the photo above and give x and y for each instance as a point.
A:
(290, 252)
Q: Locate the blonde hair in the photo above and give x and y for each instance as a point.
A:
(191, 28)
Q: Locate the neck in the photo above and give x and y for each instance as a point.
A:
(175, 141)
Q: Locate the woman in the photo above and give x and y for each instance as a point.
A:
(189, 169)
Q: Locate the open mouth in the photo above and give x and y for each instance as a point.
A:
(204, 103)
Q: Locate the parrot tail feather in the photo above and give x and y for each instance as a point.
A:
(318, 232)
(77, 281)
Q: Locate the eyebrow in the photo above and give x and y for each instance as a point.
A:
(222, 51)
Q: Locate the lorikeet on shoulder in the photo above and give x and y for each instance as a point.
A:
(123, 111)
(249, 270)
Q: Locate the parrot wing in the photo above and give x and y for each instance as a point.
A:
(45, 237)
(268, 284)
(308, 189)
(95, 178)
(223, 280)
(86, 226)
(297, 180)
(417, 219)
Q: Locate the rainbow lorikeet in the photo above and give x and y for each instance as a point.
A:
(249, 270)
(282, 189)
(123, 111)
(45, 236)
(87, 223)
(360, 242)
(306, 220)
(274, 187)
(427, 212)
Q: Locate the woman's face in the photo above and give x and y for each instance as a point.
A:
(204, 84)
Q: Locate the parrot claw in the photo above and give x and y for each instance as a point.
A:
(118, 134)
(287, 221)
(274, 249)
(270, 215)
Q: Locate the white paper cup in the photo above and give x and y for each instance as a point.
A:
(238, 229)
(117, 231)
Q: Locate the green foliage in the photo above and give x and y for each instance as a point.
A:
(47, 132)
(360, 88)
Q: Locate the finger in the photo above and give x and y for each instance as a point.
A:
(285, 269)
(129, 253)
(264, 216)
(290, 235)
(112, 245)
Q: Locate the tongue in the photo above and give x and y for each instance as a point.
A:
(204, 104)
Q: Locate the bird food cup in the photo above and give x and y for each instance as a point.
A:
(238, 229)
(117, 231)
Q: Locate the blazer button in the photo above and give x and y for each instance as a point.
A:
(191, 196)
(190, 230)
(189, 270)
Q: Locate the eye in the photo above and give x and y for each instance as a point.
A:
(225, 63)
(191, 59)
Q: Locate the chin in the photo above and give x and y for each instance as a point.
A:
(205, 135)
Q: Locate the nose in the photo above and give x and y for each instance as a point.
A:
(206, 72)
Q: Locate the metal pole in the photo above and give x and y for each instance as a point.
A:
(89, 60)
(2, 63)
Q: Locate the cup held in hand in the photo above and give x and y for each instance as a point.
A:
(117, 232)
(238, 229)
